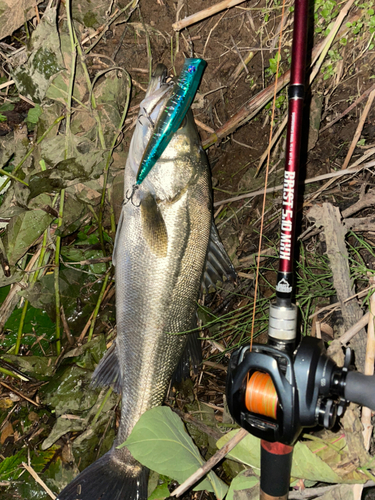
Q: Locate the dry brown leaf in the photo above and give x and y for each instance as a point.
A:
(14, 13)
(6, 432)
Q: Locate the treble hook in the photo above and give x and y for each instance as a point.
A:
(130, 197)
(146, 115)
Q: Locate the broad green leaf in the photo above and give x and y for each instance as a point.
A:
(160, 492)
(61, 427)
(78, 296)
(38, 367)
(10, 466)
(44, 61)
(22, 232)
(37, 323)
(247, 451)
(242, 482)
(160, 442)
(78, 254)
(33, 114)
(83, 167)
(307, 465)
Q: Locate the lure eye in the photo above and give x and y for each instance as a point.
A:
(192, 69)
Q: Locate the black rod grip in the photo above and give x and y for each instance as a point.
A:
(275, 466)
(360, 389)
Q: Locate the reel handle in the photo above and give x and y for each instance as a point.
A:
(360, 389)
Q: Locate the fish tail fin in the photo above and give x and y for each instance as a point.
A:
(115, 476)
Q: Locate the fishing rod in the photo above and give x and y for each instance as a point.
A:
(276, 390)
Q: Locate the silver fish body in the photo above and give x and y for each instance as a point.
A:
(160, 253)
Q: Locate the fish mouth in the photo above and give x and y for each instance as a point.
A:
(158, 79)
(160, 72)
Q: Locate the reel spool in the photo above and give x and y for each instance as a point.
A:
(261, 393)
(261, 396)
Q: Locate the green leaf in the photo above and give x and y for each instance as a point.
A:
(160, 492)
(33, 114)
(307, 465)
(39, 367)
(3, 118)
(10, 466)
(22, 232)
(8, 106)
(160, 442)
(247, 451)
(36, 324)
(243, 482)
(68, 172)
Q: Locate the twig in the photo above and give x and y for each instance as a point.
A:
(103, 29)
(274, 139)
(238, 70)
(210, 33)
(40, 481)
(239, 55)
(352, 106)
(203, 126)
(318, 492)
(202, 471)
(318, 59)
(66, 326)
(370, 152)
(366, 201)
(19, 393)
(3, 172)
(12, 298)
(7, 84)
(203, 14)
(89, 262)
(98, 304)
(319, 178)
(359, 129)
(57, 273)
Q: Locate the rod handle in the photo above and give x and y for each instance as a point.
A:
(276, 466)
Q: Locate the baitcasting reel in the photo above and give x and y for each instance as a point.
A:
(274, 396)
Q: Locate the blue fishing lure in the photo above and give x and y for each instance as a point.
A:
(173, 114)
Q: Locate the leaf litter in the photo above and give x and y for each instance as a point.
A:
(85, 159)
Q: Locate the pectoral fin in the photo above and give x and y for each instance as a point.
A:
(153, 227)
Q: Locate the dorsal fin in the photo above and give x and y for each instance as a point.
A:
(218, 264)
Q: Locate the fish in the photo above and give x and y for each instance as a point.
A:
(182, 95)
(166, 243)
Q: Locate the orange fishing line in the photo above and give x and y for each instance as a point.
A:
(261, 395)
(266, 177)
